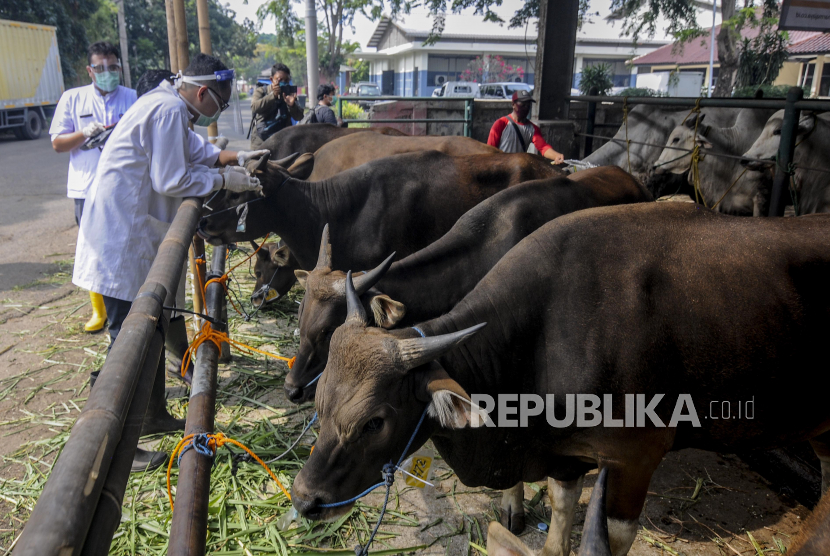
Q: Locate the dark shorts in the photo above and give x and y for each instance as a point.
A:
(79, 211)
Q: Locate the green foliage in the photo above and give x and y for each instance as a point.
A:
(597, 75)
(351, 110)
(641, 17)
(640, 92)
(69, 16)
(333, 17)
(762, 58)
(770, 91)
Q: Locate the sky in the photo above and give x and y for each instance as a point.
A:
(466, 22)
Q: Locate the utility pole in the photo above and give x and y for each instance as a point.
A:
(312, 60)
(122, 37)
(712, 46)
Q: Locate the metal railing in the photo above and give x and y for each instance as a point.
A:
(792, 106)
(467, 120)
(80, 506)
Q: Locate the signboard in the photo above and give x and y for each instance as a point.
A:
(805, 15)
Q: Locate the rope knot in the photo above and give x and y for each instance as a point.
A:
(389, 474)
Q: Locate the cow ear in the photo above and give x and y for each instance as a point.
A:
(387, 311)
(501, 542)
(302, 167)
(704, 144)
(301, 275)
(448, 402)
(806, 123)
(264, 253)
(280, 255)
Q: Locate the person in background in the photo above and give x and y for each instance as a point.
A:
(325, 99)
(515, 132)
(273, 110)
(83, 113)
(145, 170)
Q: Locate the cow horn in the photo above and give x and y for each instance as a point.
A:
(595, 531)
(324, 258)
(354, 308)
(254, 245)
(368, 279)
(419, 351)
(287, 161)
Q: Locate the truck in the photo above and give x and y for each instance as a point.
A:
(31, 82)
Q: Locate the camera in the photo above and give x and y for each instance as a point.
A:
(288, 89)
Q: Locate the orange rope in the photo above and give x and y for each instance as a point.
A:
(216, 441)
(208, 334)
(224, 278)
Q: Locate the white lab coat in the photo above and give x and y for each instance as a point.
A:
(76, 109)
(146, 168)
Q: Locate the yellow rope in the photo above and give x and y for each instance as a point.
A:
(208, 334)
(730, 188)
(224, 278)
(696, 156)
(216, 441)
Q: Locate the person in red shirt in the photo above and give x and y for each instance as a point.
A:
(514, 133)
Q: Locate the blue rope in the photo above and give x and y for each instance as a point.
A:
(200, 443)
(419, 331)
(388, 473)
(305, 430)
(316, 378)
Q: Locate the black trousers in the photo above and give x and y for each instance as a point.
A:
(117, 311)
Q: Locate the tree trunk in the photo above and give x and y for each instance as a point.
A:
(728, 54)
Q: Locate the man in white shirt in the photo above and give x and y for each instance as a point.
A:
(145, 170)
(82, 113)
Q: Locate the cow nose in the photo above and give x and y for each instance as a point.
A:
(309, 508)
(293, 393)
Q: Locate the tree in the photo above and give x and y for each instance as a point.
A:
(640, 18)
(491, 69)
(761, 58)
(147, 33)
(336, 16)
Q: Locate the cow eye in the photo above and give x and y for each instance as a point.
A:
(777, 132)
(373, 425)
(675, 140)
(258, 274)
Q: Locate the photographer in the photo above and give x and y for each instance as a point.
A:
(272, 108)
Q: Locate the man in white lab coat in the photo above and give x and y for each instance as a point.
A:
(82, 113)
(145, 171)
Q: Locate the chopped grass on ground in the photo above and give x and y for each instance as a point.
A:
(248, 514)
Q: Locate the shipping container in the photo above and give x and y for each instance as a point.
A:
(31, 82)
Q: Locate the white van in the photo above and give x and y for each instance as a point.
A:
(452, 89)
(503, 91)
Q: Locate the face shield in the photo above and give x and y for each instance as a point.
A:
(220, 77)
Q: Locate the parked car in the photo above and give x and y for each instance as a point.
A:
(365, 89)
(503, 90)
(452, 89)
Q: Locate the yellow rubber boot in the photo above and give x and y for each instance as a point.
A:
(99, 314)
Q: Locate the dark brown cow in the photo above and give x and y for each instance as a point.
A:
(660, 300)
(354, 150)
(308, 138)
(400, 203)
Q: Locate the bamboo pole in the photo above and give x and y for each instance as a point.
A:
(171, 36)
(64, 512)
(188, 529)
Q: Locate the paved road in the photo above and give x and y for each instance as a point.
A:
(37, 222)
